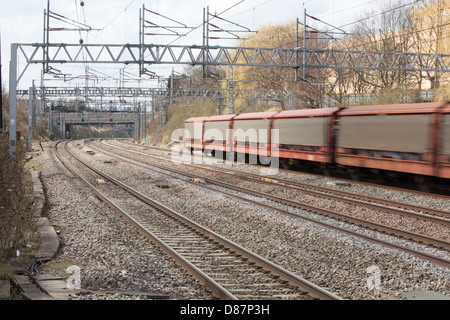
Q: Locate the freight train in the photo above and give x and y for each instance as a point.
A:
(411, 139)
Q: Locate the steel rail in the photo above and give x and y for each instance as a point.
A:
(388, 187)
(276, 270)
(358, 199)
(340, 216)
(432, 258)
(355, 199)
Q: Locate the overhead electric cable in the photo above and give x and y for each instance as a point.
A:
(200, 25)
(380, 13)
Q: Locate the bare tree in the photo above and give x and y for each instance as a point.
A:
(309, 91)
(429, 29)
(386, 29)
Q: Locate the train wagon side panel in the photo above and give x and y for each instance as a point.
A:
(305, 134)
(388, 141)
(251, 136)
(302, 138)
(394, 133)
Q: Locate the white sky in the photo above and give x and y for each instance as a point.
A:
(21, 21)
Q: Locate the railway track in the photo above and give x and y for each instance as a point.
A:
(343, 179)
(225, 268)
(418, 212)
(425, 213)
(385, 229)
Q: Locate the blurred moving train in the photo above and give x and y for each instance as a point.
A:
(392, 139)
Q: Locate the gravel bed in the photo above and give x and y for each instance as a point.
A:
(111, 254)
(340, 263)
(397, 221)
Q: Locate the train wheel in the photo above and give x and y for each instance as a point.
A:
(264, 160)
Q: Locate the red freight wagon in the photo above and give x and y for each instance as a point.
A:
(398, 138)
(306, 134)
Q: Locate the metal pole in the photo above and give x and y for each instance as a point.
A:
(204, 43)
(30, 119)
(230, 90)
(36, 109)
(153, 109)
(141, 39)
(13, 101)
(33, 104)
(207, 41)
(101, 100)
(46, 36)
(296, 55)
(86, 84)
(291, 99)
(145, 122)
(171, 88)
(138, 135)
(50, 113)
(304, 44)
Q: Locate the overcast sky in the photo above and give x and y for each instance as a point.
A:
(21, 21)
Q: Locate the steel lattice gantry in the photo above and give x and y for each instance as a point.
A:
(234, 56)
(215, 93)
(219, 94)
